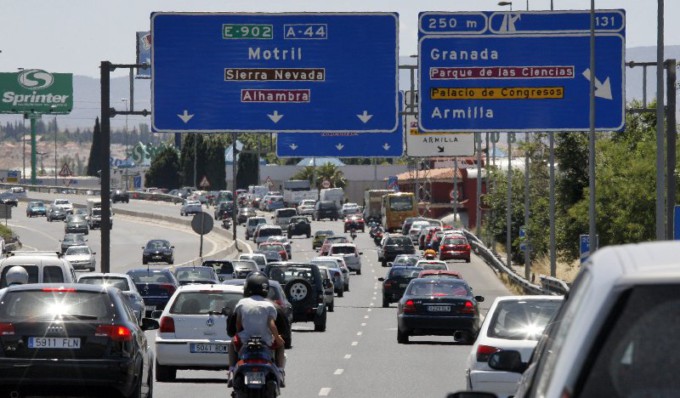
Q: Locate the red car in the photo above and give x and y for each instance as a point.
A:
(331, 240)
(265, 246)
(355, 221)
(438, 273)
(454, 247)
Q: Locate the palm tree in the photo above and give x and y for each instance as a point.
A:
(326, 171)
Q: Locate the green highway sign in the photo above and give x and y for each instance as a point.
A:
(36, 91)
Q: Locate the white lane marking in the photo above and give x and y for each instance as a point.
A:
(324, 392)
(369, 310)
(348, 356)
(355, 343)
(366, 316)
(338, 372)
(363, 323)
(360, 333)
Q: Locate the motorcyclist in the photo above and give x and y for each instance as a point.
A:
(353, 233)
(256, 316)
(16, 275)
(429, 253)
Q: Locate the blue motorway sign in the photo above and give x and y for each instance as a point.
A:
(343, 145)
(520, 71)
(308, 72)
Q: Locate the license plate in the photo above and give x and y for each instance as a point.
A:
(208, 348)
(254, 378)
(439, 308)
(54, 342)
(403, 285)
(150, 307)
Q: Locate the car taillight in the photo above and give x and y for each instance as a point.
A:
(169, 287)
(409, 307)
(467, 247)
(6, 329)
(59, 289)
(485, 351)
(114, 332)
(468, 308)
(388, 284)
(167, 325)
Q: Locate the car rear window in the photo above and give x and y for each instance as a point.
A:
(522, 319)
(270, 232)
(343, 249)
(220, 267)
(203, 302)
(437, 289)
(120, 283)
(49, 303)
(401, 241)
(286, 213)
(52, 274)
(32, 274)
(150, 277)
(410, 272)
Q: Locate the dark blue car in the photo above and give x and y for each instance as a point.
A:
(155, 285)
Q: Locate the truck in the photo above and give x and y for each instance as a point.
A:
(94, 212)
(373, 204)
(336, 195)
(295, 191)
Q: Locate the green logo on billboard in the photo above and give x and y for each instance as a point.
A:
(36, 91)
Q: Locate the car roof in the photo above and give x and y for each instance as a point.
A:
(103, 274)
(651, 262)
(217, 287)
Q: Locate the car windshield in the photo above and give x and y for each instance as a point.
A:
(324, 233)
(220, 267)
(404, 272)
(73, 250)
(522, 319)
(439, 288)
(144, 276)
(327, 264)
(286, 213)
(120, 283)
(403, 260)
(157, 244)
(55, 303)
(343, 249)
(204, 302)
(194, 273)
(62, 202)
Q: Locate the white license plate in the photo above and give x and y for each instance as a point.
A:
(72, 343)
(150, 307)
(439, 308)
(208, 348)
(253, 378)
(403, 285)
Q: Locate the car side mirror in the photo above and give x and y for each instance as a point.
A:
(389, 264)
(480, 299)
(361, 253)
(94, 253)
(150, 324)
(381, 279)
(509, 361)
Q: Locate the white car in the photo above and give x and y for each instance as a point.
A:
(512, 323)
(63, 204)
(350, 208)
(259, 258)
(414, 232)
(349, 252)
(190, 207)
(306, 207)
(432, 264)
(81, 257)
(193, 329)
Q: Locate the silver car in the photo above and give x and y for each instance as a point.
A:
(348, 251)
(81, 257)
(123, 282)
(251, 225)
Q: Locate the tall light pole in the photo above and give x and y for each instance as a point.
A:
(125, 100)
(56, 160)
(506, 3)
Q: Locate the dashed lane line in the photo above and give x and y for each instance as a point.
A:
(324, 392)
(338, 372)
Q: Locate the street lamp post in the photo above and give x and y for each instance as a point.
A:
(56, 160)
(506, 3)
(125, 100)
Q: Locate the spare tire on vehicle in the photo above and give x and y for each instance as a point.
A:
(298, 290)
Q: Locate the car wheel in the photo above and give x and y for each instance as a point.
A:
(308, 235)
(341, 293)
(171, 261)
(144, 261)
(402, 337)
(320, 323)
(467, 260)
(331, 307)
(358, 272)
(298, 290)
(386, 302)
(137, 389)
(383, 263)
(165, 373)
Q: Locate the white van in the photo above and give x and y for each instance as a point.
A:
(282, 216)
(42, 267)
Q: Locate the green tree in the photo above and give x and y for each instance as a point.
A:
(95, 162)
(326, 171)
(191, 142)
(214, 164)
(246, 170)
(164, 170)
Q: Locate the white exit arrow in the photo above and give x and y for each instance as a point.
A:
(293, 146)
(365, 117)
(185, 116)
(339, 147)
(602, 90)
(275, 117)
(386, 146)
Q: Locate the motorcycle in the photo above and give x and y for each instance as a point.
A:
(226, 223)
(255, 374)
(378, 235)
(353, 233)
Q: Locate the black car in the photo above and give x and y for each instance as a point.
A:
(9, 199)
(325, 209)
(441, 307)
(304, 288)
(72, 239)
(395, 283)
(158, 250)
(120, 195)
(155, 285)
(56, 213)
(299, 225)
(394, 245)
(224, 210)
(73, 339)
(34, 209)
(76, 224)
(244, 213)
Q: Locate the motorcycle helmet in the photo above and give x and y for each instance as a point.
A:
(257, 283)
(17, 275)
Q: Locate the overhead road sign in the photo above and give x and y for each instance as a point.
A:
(306, 72)
(520, 71)
(421, 144)
(342, 145)
(35, 91)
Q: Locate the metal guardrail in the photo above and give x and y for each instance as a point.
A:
(554, 287)
(152, 196)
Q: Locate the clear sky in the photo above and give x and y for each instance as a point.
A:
(74, 36)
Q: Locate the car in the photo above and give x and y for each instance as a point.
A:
(270, 256)
(244, 213)
(349, 252)
(120, 195)
(304, 288)
(395, 282)
(263, 232)
(190, 207)
(278, 297)
(299, 225)
(512, 323)
(330, 240)
(223, 268)
(435, 273)
(76, 224)
(193, 329)
(187, 275)
(42, 267)
(9, 199)
(158, 250)
(36, 209)
(339, 272)
(408, 222)
(19, 192)
(272, 202)
(416, 227)
(285, 242)
(81, 257)
(354, 222)
(441, 307)
(121, 281)
(223, 210)
(349, 208)
(155, 285)
(306, 207)
(454, 247)
(243, 267)
(328, 288)
(393, 245)
(72, 239)
(265, 247)
(56, 213)
(64, 204)
(436, 265)
(252, 223)
(320, 237)
(325, 209)
(405, 259)
(259, 258)
(282, 216)
(62, 336)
